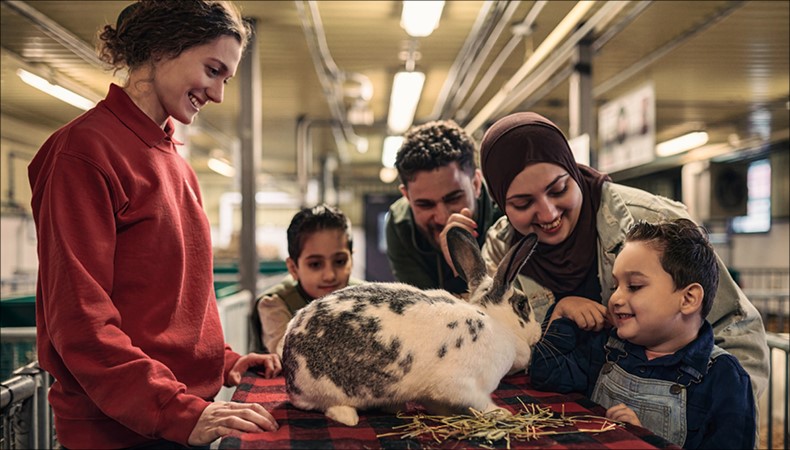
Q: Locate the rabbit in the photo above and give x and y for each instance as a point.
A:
(380, 345)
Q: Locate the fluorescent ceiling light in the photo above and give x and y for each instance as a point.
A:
(390, 150)
(54, 90)
(682, 143)
(406, 90)
(420, 18)
(388, 174)
(218, 163)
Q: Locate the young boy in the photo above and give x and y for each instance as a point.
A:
(319, 262)
(658, 368)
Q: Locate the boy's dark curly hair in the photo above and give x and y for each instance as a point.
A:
(153, 29)
(686, 254)
(432, 145)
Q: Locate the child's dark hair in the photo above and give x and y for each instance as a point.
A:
(686, 254)
(164, 28)
(433, 145)
(309, 220)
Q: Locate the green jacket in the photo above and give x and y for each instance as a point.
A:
(414, 260)
(737, 325)
(274, 309)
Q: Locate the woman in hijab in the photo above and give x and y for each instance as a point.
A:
(581, 218)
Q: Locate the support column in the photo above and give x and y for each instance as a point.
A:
(581, 109)
(251, 137)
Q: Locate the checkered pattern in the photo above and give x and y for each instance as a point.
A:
(312, 430)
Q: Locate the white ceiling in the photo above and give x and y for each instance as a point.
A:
(713, 63)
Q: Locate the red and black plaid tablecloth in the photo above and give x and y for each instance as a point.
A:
(312, 430)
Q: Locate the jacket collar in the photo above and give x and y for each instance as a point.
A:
(694, 358)
(612, 220)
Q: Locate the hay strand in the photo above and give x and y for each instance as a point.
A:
(530, 423)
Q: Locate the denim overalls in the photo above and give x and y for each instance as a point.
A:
(660, 405)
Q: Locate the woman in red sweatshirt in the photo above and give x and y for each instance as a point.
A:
(125, 306)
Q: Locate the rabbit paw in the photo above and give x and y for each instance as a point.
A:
(346, 415)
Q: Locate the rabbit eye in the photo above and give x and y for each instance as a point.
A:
(521, 304)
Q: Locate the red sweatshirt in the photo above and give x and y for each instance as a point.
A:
(125, 307)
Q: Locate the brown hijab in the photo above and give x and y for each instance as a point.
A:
(525, 138)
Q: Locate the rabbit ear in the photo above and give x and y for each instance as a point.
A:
(466, 257)
(514, 260)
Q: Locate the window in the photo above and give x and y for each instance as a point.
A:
(758, 206)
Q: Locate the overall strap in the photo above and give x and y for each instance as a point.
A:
(693, 373)
(616, 344)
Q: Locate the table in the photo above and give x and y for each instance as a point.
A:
(312, 430)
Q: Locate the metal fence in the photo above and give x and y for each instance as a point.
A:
(776, 402)
(26, 414)
(234, 313)
(769, 291)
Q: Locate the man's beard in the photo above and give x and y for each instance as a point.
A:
(432, 234)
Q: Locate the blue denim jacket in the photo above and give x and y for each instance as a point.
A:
(720, 407)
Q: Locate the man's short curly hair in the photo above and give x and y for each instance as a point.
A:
(432, 145)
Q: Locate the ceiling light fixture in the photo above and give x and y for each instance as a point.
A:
(420, 18)
(218, 163)
(406, 91)
(387, 175)
(682, 143)
(390, 149)
(54, 90)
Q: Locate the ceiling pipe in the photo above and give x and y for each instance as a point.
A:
(476, 63)
(520, 31)
(476, 35)
(560, 56)
(330, 77)
(660, 52)
(545, 88)
(561, 75)
(605, 35)
(304, 153)
(570, 21)
(56, 32)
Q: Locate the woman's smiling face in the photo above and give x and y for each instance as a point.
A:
(186, 83)
(545, 200)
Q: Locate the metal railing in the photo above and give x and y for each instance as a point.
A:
(234, 313)
(778, 382)
(26, 414)
(769, 291)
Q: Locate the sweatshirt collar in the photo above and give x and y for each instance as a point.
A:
(122, 106)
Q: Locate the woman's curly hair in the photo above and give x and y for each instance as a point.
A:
(153, 29)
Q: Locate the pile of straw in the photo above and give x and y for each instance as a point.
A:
(532, 422)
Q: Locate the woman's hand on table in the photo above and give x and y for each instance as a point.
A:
(589, 315)
(269, 361)
(622, 413)
(222, 418)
